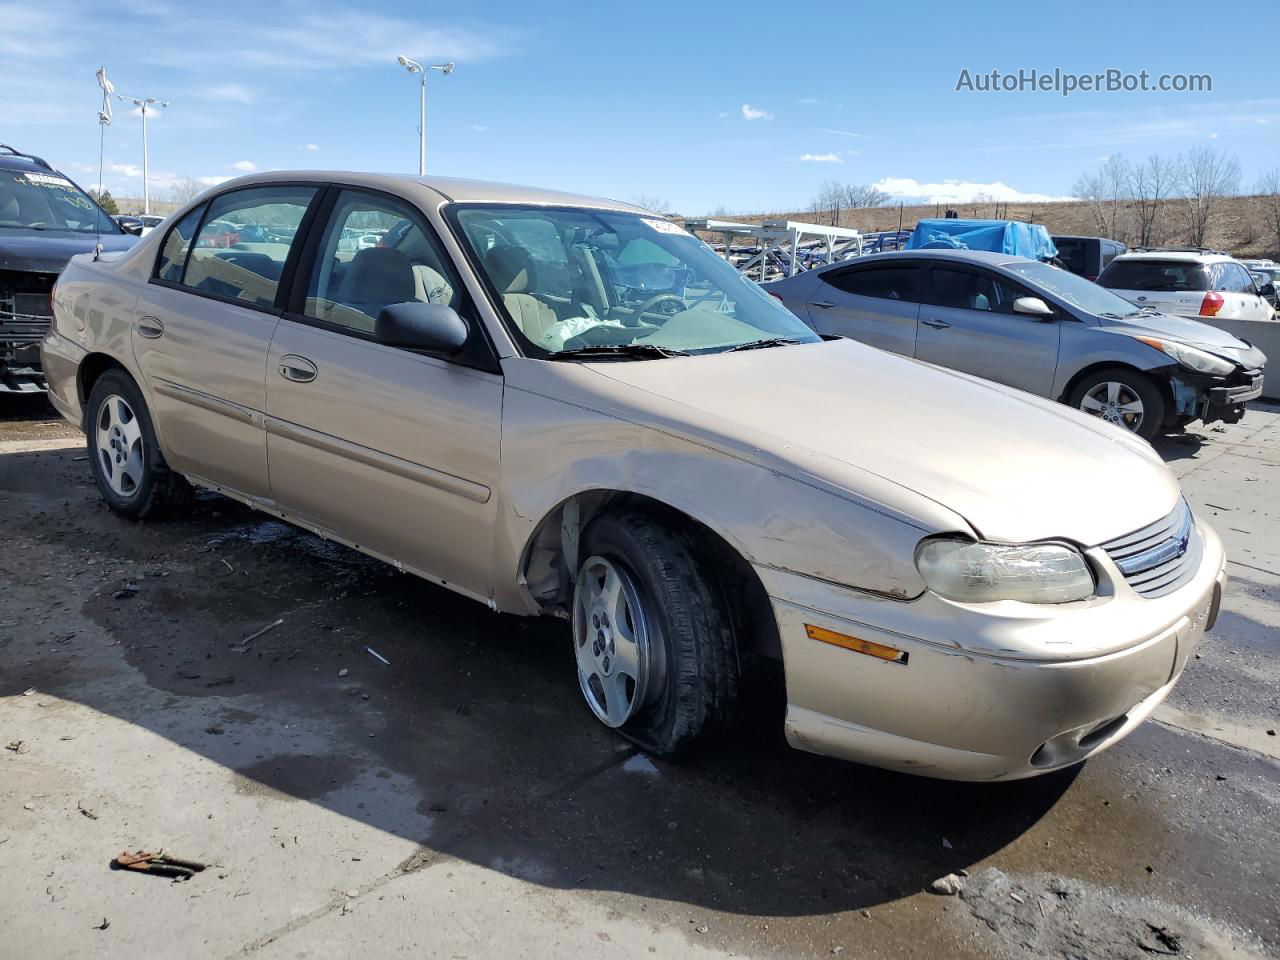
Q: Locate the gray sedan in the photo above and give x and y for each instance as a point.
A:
(1035, 327)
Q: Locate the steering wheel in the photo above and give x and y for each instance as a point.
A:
(648, 305)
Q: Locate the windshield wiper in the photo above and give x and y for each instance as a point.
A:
(764, 344)
(622, 351)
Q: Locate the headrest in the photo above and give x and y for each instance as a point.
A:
(511, 269)
(379, 275)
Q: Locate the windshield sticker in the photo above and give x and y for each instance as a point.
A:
(45, 180)
(665, 226)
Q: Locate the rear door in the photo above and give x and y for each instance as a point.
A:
(1234, 282)
(967, 323)
(390, 450)
(203, 327)
(876, 303)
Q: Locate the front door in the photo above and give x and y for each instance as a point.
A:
(967, 323)
(203, 326)
(387, 449)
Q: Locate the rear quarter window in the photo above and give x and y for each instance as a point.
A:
(173, 255)
(1156, 275)
(889, 282)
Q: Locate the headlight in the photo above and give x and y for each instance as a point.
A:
(1190, 357)
(980, 572)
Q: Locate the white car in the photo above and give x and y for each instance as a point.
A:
(1188, 283)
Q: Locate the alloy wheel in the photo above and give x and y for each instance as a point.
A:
(612, 641)
(121, 453)
(1114, 402)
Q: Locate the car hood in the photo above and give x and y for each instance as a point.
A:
(48, 251)
(1015, 467)
(1192, 332)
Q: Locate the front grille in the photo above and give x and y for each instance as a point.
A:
(1160, 558)
(24, 306)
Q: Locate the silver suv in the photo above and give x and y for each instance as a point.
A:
(1035, 327)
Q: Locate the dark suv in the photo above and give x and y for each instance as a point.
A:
(1087, 256)
(45, 220)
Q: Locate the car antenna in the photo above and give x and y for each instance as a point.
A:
(104, 121)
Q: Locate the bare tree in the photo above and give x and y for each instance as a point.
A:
(1204, 176)
(1269, 189)
(653, 204)
(828, 202)
(857, 195)
(1105, 191)
(1149, 186)
(185, 188)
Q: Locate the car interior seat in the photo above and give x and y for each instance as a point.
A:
(377, 277)
(512, 272)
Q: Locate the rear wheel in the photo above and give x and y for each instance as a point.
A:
(127, 464)
(652, 634)
(1123, 397)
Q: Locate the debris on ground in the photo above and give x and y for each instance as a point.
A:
(343, 672)
(29, 691)
(379, 656)
(243, 646)
(948, 886)
(103, 925)
(125, 592)
(214, 729)
(17, 746)
(159, 864)
(220, 681)
(85, 811)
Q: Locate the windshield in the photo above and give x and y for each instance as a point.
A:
(577, 279)
(1077, 291)
(47, 201)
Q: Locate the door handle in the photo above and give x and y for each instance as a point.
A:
(298, 369)
(150, 327)
(824, 304)
(936, 323)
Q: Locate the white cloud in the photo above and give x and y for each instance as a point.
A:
(843, 133)
(320, 40)
(821, 158)
(313, 147)
(230, 92)
(244, 166)
(212, 181)
(479, 127)
(722, 115)
(125, 169)
(808, 100)
(755, 113)
(957, 191)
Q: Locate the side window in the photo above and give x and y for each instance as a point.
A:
(896, 282)
(242, 246)
(376, 251)
(173, 255)
(969, 290)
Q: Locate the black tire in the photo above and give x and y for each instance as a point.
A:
(160, 491)
(692, 703)
(1139, 384)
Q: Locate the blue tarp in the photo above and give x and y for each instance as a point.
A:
(1030, 240)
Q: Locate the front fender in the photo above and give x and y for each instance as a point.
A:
(772, 520)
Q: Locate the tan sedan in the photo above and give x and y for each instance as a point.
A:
(562, 405)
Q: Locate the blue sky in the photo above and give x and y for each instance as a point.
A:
(747, 106)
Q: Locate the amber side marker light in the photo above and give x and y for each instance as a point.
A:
(856, 644)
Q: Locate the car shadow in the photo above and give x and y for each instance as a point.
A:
(25, 407)
(405, 689)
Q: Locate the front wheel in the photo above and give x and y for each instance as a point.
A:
(1123, 397)
(652, 635)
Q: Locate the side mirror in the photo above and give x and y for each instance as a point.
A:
(433, 328)
(133, 227)
(1267, 291)
(1033, 307)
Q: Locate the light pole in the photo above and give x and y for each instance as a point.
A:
(414, 67)
(143, 104)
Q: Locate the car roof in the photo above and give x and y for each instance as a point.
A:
(986, 258)
(1188, 255)
(448, 189)
(9, 161)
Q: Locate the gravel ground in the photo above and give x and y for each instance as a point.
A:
(458, 801)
